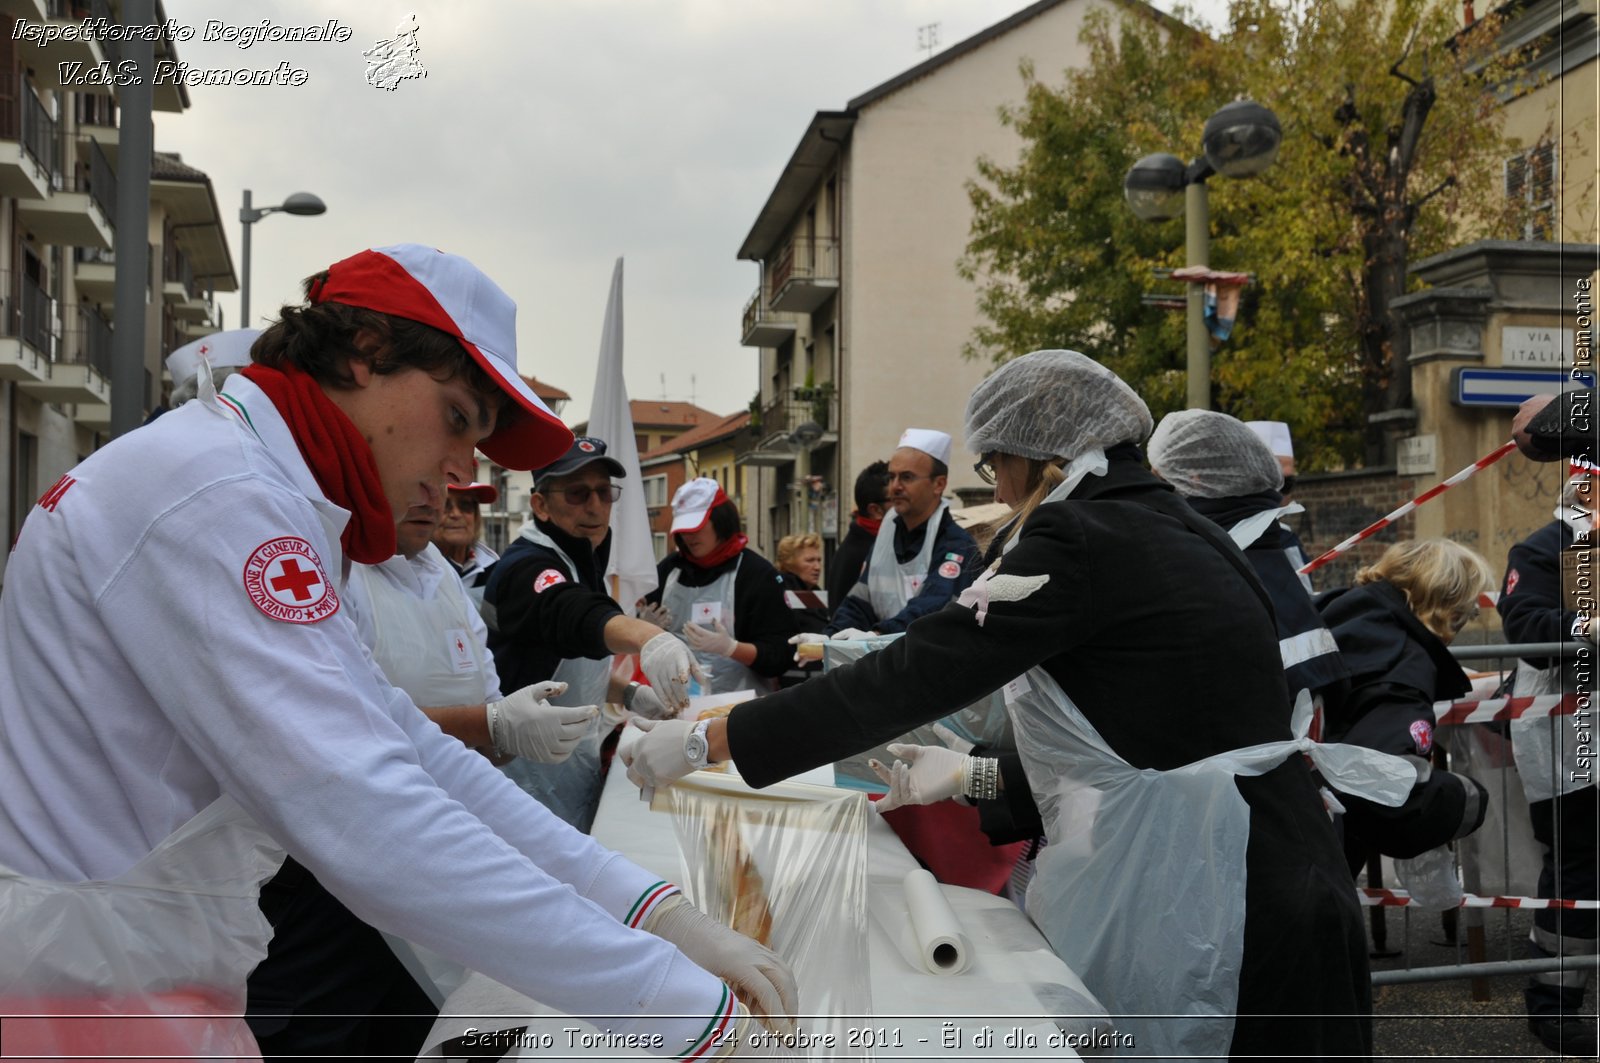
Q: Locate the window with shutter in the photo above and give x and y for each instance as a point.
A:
(1531, 179)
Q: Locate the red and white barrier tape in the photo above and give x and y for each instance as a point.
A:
(1491, 710)
(1432, 492)
(1371, 898)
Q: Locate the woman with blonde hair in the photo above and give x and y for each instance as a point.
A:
(1393, 628)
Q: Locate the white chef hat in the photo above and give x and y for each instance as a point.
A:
(224, 350)
(1205, 454)
(1054, 404)
(1275, 434)
(930, 441)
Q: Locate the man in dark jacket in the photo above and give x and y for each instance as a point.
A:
(921, 558)
(1557, 776)
(872, 488)
(547, 595)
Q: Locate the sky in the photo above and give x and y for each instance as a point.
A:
(547, 139)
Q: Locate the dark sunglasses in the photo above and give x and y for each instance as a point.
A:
(578, 494)
(460, 505)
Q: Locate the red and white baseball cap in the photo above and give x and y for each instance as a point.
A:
(483, 494)
(426, 285)
(224, 350)
(692, 505)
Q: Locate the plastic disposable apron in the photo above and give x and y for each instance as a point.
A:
(162, 951)
(1546, 748)
(702, 605)
(425, 646)
(890, 585)
(1141, 889)
(570, 789)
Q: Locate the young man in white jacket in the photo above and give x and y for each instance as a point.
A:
(217, 537)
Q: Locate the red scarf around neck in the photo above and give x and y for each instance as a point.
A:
(868, 525)
(339, 458)
(727, 550)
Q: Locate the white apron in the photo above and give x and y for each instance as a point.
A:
(425, 646)
(1141, 887)
(714, 601)
(1546, 749)
(890, 585)
(179, 931)
(570, 789)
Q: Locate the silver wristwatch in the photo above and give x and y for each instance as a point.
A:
(628, 694)
(697, 748)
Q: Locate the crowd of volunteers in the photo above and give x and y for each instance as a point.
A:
(316, 749)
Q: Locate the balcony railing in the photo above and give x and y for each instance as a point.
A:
(798, 406)
(763, 326)
(102, 183)
(805, 275)
(88, 341)
(28, 313)
(176, 269)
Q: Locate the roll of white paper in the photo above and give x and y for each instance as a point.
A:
(941, 941)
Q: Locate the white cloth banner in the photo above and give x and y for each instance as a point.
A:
(631, 571)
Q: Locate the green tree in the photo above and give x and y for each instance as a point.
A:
(1391, 152)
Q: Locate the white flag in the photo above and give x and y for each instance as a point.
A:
(631, 571)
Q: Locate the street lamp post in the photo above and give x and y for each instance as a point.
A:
(1240, 140)
(303, 203)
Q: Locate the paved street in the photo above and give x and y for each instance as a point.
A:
(1437, 1020)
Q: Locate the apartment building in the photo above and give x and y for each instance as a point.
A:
(859, 315)
(58, 182)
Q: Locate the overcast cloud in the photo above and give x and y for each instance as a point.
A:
(547, 139)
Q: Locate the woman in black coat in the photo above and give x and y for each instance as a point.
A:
(1393, 628)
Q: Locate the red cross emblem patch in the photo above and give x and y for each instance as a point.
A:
(547, 579)
(284, 579)
(586, 446)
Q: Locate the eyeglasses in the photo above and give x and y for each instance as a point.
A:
(906, 477)
(985, 468)
(460, 505)
(578, 494)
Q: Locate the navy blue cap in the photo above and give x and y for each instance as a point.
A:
(585, 450)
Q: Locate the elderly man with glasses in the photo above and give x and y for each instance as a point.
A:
(550, 618)
(921, 558)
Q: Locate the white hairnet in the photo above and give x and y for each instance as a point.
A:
(1053, 404)
(1211, 455)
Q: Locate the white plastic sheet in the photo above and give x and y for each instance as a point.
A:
(788, 866)
(154, 961)
(984, 722)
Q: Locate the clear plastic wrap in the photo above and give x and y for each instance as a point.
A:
(787, 865)
(984, 723)
(151, 963)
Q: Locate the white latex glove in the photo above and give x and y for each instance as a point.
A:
(714, 639)
(668, 664)
(758, 975)
(647, 704)
(951, 739)
(853, 634)
(921, 775)
(525, 724)
(654, 613)
(657, 758)
(806, 638)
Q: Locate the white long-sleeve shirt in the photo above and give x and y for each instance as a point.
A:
(171, 631)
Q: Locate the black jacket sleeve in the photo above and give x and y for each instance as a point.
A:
(1530, 597)
(946, 660)
(1013, 816)
(566, 618)
(762, 617)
